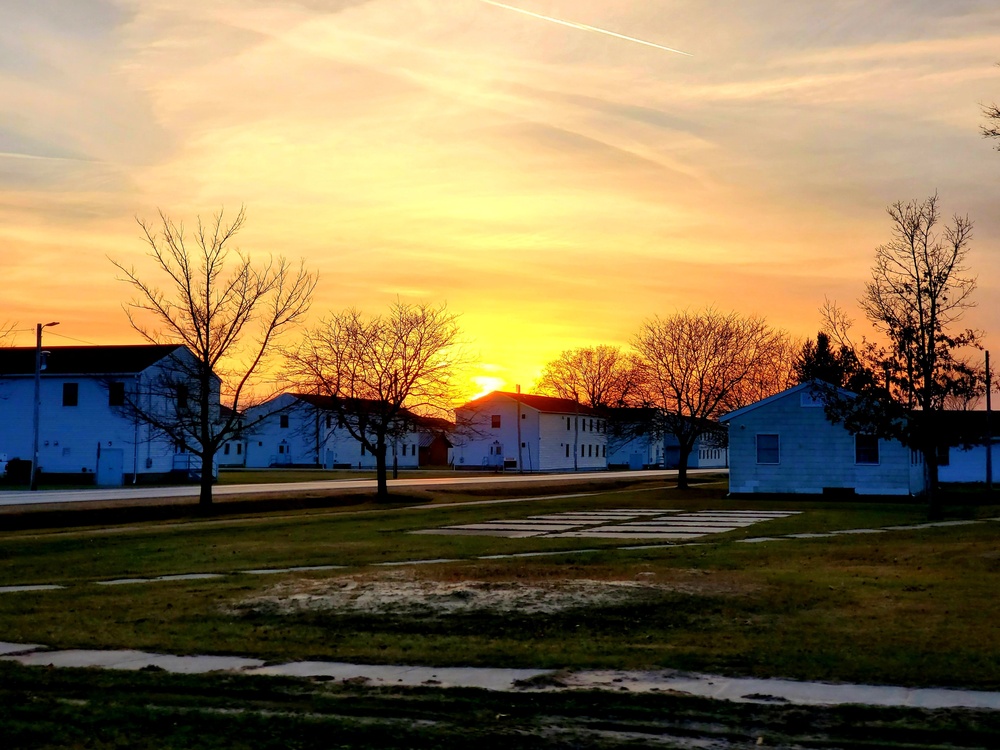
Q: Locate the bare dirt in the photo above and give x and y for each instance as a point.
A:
(407, 592)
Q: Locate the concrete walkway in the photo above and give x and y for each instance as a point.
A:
(738, 689)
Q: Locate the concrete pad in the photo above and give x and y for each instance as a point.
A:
(758, 539)
(537, 554)
(17, 648)
(135, 660)
(301, 568)
(511, 527)
(378, 674)
(596, 534)
(678, 529)
(682, 523)
(858, 531)
(467, 532)
(807, 536)
(189, 577)
(415, 562)
(123, 581)
(30, 587)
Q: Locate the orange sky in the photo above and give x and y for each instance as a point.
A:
(555, 186)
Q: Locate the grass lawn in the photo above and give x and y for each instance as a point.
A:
(915, 607)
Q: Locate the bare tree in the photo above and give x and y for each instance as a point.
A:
(992, 129)
(382, 370)
(229, 314)
(917, 296)
(599, 377)
(702, 365)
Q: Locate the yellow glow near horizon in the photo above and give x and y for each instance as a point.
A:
(554, 187)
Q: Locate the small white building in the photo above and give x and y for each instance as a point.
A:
(785, 444)
(298, 429)
(634, 441)
(85, 433)
(969, 433)
(524, 432)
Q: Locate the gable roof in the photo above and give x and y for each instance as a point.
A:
(544, 404)
(85, 360)
(771, 399)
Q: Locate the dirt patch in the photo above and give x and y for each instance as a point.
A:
(404, 592)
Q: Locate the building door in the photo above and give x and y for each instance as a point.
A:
(111, 467)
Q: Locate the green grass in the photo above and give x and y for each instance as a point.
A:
(906, 607)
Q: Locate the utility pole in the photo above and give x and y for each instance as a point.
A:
(989, 429)
(38, 402)
(520, 464)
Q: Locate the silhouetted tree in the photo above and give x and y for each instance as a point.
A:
(227, 311)
(918, 292)
(703, 365)
(597, 376)
(836, 364)
(381, 370)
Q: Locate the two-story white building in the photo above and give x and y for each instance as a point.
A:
(525, 432)
(299, 429)
(86, 433)
(637, 440)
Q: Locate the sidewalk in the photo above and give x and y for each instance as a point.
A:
(738, 689)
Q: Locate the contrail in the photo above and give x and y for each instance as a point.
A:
(585, 27)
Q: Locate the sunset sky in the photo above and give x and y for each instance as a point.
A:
(554, 185)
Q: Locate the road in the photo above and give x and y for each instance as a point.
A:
(124, 494)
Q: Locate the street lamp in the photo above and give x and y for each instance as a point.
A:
(38, 401)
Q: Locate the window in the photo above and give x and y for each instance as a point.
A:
(591, 425)
(283, 421)
(71, 394)
(495, 421)
(569, 423)
(524, 416)
(567, 450)
(281, 448)
(590, 451)
(767, 449)
(865, 449)
(329, 421)
(604, 451)
(362, 449)
(239, 449)
(225, 449)
(116, 394)
(404, 449)
(583, 451)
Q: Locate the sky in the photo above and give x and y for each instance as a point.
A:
(554, 185)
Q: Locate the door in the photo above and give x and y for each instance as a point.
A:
(111, 467)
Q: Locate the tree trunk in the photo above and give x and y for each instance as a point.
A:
(935, 510)
(380, 472)
(683, 454)
(205, 493)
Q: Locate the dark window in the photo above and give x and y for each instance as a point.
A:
(225, 449)
(567, 450)
(183, 395)
(944, 455)
(329, 421)
(583, 451)
(524, 416)
(239, 449)
(362, 449)
(604, 451)
(569, 423)
(495, 421)
(116, 394)
(404, 449)
(71, 394)
(591, 425)
(865, 449)
(590, 451)
(283, 421)
(767, 449)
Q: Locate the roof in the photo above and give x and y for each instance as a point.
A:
(544, 404)
(771, 399)
(85, 360)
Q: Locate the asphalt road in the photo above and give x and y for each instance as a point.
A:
(125, 494)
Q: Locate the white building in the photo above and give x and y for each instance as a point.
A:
(785, 444)
(86, 433)
(635, 441)
(530, 433)
(296, 429)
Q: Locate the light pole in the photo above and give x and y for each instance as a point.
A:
(38, 401)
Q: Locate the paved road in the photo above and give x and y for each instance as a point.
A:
(183, 491)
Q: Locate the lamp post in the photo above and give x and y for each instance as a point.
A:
(38, 401)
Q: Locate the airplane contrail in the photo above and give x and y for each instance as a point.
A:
(585, 27)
